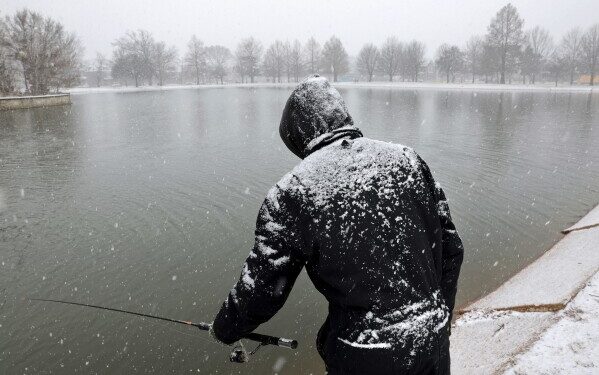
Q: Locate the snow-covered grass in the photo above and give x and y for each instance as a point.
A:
(571, 346)
(119, 89)
(543, 87)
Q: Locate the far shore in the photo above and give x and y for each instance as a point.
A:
(541, 87)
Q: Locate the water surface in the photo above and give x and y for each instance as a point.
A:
(147, 201)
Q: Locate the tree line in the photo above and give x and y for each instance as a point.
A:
(508, 51)
(138, 58)
(37, 55)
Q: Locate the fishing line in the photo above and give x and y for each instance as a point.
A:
(239, 354)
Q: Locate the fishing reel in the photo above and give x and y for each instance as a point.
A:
(240, 355)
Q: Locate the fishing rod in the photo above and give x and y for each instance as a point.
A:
(238, 354)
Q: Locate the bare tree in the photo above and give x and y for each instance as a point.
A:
(125, 66)
(287, 59)
(294, 60)
(590, 50)
(274, 61)
(8, 83)
(527, 62)
(449, 60)
(570, 50)
(47, 55)
(541, 46)
(334, 58)
(367, 60)
(505, 35)
(100, 65)
(555, 65)
(390, 61)
(164, 61)
(248, 56)
(217, 58)
(8, 71)
(134, 53)
(195, 58)
(489, 63)
(414, 59)
(473, 55)
(313, 56)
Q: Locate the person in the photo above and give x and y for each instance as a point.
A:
(374, 232)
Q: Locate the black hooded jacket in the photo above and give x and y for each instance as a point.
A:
(374, 232)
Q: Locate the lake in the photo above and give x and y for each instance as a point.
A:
(147, 201)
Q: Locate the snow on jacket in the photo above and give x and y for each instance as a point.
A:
(371, 227)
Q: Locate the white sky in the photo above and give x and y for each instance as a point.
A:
(99, 22)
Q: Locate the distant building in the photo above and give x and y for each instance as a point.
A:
(585, 79)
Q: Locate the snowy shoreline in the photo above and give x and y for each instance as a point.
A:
(467, 86)
(368, 85)
(545, 319)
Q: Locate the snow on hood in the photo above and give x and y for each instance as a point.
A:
(315, 115)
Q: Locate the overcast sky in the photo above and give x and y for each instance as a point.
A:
(99, 22)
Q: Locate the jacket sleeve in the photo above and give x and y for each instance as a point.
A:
(269, 271)
(452, 248)
(452, 251)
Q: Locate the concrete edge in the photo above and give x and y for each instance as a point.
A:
(590, 220)
(590, 217)
(24, 102)
(508, 360)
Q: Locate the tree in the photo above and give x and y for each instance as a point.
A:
(47, 55)
(334, 58)
(541, 46)
(8, 81)
(489, 63)
(248, 56)
(570, 49)
(449, 60)
(367, 60)
(390, 60)
(294, 63)
(505, 35)
(100, 64)
(555, 65)
(590, 50)
(124, 66)
(134, 54)
(528, 63)
(313, 56)
(164, 61)
(473, 55)
(217, 58)
(414, 59)
(274, 61)
(195, 58)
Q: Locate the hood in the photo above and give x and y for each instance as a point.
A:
(315, 116)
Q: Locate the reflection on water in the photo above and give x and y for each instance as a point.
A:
(147, 201)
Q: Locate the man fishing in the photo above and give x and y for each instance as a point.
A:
(374, 232)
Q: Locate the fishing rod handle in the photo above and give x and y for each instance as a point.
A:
(258, 337)
(271, 340)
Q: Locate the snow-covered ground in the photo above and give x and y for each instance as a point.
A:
(116, 89)
(544, 320)
(543, 87)
(571, 346)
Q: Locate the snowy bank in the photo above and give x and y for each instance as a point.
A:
(126, 89)
(543, 320)
(572, 344)
(382, 85)
(468, 86)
